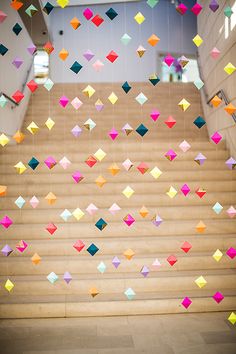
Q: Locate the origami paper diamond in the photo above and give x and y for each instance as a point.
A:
(185, 189)
(51, 228)
(217, 255)
(156, 264)
(4, 140)
(97, 20)
(114, 209)
(127, 164)
(198, 83)
(75, 23)
(142, 130)
(140, 51)
(130, 294)
(49, 123)
(229, 68)
(126, 87)
(3, 49)
(98, 65)
(112, 98)
(230, 109)
(17, 62)
(143, 212)
(92, 249)
(216, 138)
(33, 128)
(51, 198)
(129, 220)
(88, 91)
(200, 192)
(48, 7)
(215, 53)
(76, 67)
(169, 60)
(91, 161)
(186, 302)
(171, 192)
(153, 40)
(128, 192)
(101, 224)
(114, 169)
(65, 215)
(77, 176)
(197, 40)
(79, 245)
(34, 202)
(22, 245)
(144, 271)
(63, 101)
(231, 252)
(6, 222)
(170, 122)
(129, 253)
(6, 250)
(154, 79)
(48, 84)
(172, 260)
(63, 3)
(102, 267)
(3, 16)
(64, 162)
(139, 18)
(125, 39)
(31, 10)
(186, 246)
(113, 133)
(88, 55)
(196, 9)
(48, 47)
(91, 209)
(20, 202)
(67, 277)
(93, 292)
(76, 131)
(157, 220)
(200, 159)
(9, 285)
(183, 61)
(3, 101)
(50, 162)
(218, 297)
(201, 227)
(127, 129)
(181, 8)
(216, 101)
(112, 56)
(3, 191)
(217, 208)
(170, 155)
(214, 5)
(88, 13)
(231, 163)
(143, 168)
(32, 85)
(100, 181)
(184, 104)
(20, 168)
(111, 13)
(116, 262)
(18, 96)
(16, 5)
(18, 137)
(201, 282)
(78, 214)
(152, 3)
(141, 98)
(155, 115)
(99, 105)
(52, 277)
(199, 122)
(228, 11)
(89, 124)
(63, 54)
(100, 154)
(31, 48)
(232, 318)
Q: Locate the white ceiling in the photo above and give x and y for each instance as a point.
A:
(91, 2)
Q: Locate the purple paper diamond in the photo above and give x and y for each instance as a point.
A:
(231, 163)
(76, 131)
(67, 277)
(116, 262)
(17, 62)
(214, 5)
(7, 250)
(31, 48)
(88, 55)
(144, 271)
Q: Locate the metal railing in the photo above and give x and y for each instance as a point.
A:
(223, 97)
(9, 99)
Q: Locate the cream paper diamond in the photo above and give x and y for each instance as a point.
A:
(217, 255)
(128, 192)
(3, 140)
(88, 91)
(99, 154)
(33, 128)
(201, 282)
(113, 98)
(20, 167)
(184, 104)
(141, 98)
(49, 123)
(156, 172)
(172, 192)
(78, 214)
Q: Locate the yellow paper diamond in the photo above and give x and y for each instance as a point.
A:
(197, 40)
(9, 285)
(139, 18)
(99, 154)
(89, 91)
(172, 192)
(201, 282)
(100, 181)
(156, 172)
(113, 98)
(3, 140)
(63, 3)
(78, 214)
(217, 255)
(184, 104)
(33, 128)
(49, 123)
(128, 192)
(232, 318)
(20, 167)
(229, 68)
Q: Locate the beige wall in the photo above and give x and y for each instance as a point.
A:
(219, 32)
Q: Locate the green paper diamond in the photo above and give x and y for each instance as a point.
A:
(101, 267)
(141, 98)
(48, 84)
(152, 3)
(3, 101)
(31, 10)
(228, 11)
(199, 84)
(130, 294)
(217, 208)
(20, 202)
(125, 39)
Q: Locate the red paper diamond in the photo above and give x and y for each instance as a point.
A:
(79, 245)
(143, 167)
(48, 47)
(51, 228)
(186, 246)
(18, 96)
(171, 260)
(91, 161)
(97, 20)
(170, 122)
(112, 56)
(200, 192)
(32, 85)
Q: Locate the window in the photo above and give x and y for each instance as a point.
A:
(41, 66)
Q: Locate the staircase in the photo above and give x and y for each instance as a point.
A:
(164, 288)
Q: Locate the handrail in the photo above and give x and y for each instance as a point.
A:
(27, 75)
(222, 96)
(9, 98)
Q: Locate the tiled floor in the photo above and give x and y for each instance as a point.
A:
(164, 334)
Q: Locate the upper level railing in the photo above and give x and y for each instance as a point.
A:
(222, 96)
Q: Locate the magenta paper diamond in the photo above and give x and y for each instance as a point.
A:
(88, 55)
(21, 247)
(181, 8)
(113, 133)
(170, 155)
(17, 62)
(218, 297)
(169, 60)
(185, 189)
(129, 220)
(6, 222)
(67, 277)
(88, 13)
(77, 176)
(231, 212)
(144, 271)
(31, 48)
(64, 101)
(186, 302)
(50, 162)
(76, 131)
(196, 9)
(116, 262)
(231, 163)
(200, 158)
(231, 252)
(216, 138)
(155, 115)
(6, 250)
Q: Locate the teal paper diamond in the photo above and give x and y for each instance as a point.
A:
(142, 130)
(111, 13)
(92, 249)
(199, 122)
(17, 29)
(126, 87)
(76, 67)
(3, 49)
(33, 163)
(152, 3)
(101, 224)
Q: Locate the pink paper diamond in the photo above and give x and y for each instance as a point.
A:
(216, 137)
(88, 13)
(114, 208)
(156, 264)
(34, 202)
(186, 302)
(64, 101)
(76, 103)
(185, 189)
(215, 53)
(91, 209)
(155, 115)
(231, 252)
(64, 162)
(169, 60)
(6, 222)
(50, 162)
(170, 155)
(184, 146)
(231, 212)
(129, 220)
(113, 133)
(77, 176)
(218, 297)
